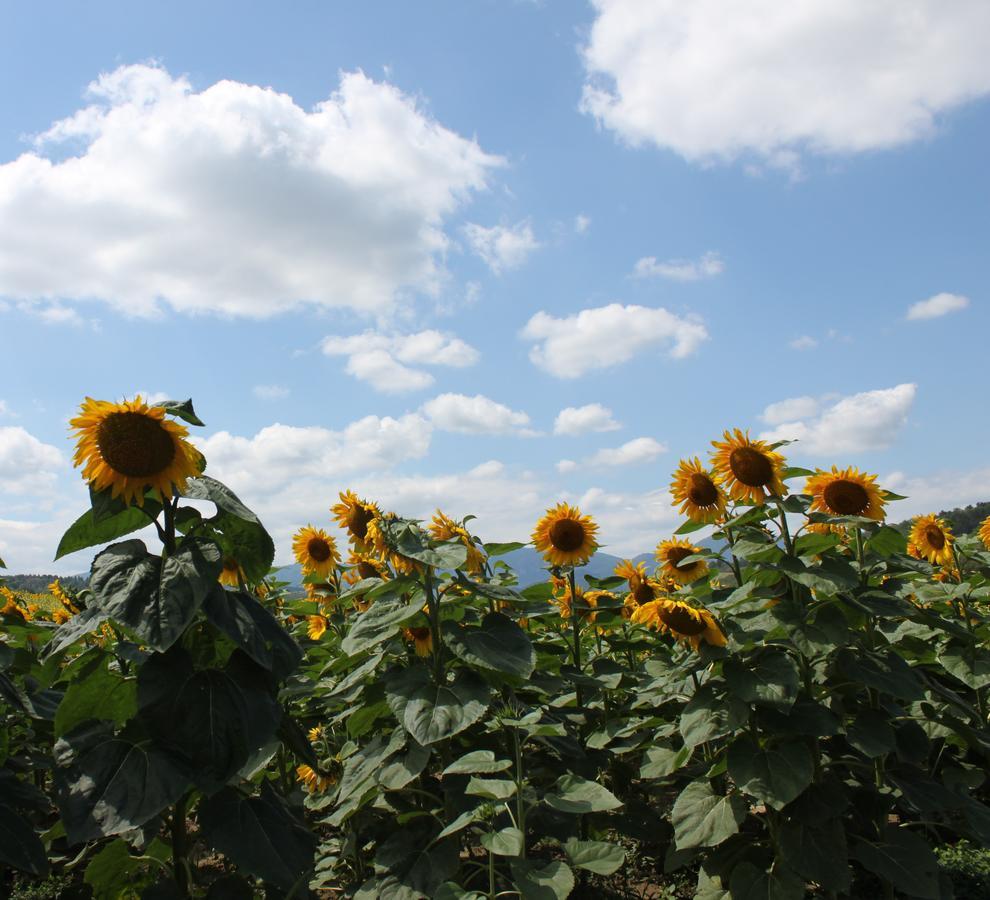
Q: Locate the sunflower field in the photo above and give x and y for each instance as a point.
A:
(795, 708)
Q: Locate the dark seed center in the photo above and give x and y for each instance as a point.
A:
(676, 554)
(420, 633)
(702, 491)
(230, 564)
(846, 498)
(935, 536)
(319, 549)
(681, 621)
(367, 570)
(357, 521)
(751, 467)
(567, 535)
(135, 445)
(643, 593)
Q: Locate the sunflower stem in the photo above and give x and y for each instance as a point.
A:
(179, 849)
(576, 628)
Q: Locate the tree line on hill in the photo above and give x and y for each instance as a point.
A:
(962, 519)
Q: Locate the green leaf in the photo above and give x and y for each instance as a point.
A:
(245, 541)
(156, 599)
(402, 769)
(662, 761)
(814, 544)
(406, 538)
(206, 488)
(702, 818)
(182, 409)
(431, 712)
(260, 835)
(772, 680)
(100, 695)
(491, 788)
(89, 530)
(477, 762)
(379, 623)
(507, 842)
(498, 644)
(536, 881)
(110, 873)
(970, 666)
(109, 784)
(67, 634)
(887, 672)
(887, 542)
(905, 859)
(501, 549)
(20, 847)
(871, 734)
(817, 853)
(599, 857)
(829, 577)
(777, 883)
(690, 527)
(577, 795)
(774, 775)
(708, 715)
(411, 864)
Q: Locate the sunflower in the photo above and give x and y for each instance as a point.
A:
(354, 515)
(231, 574)
(130, 446)
(748, 469)
(932, 538)
(586, 602)
(315, 733)
(984, 532)
(641, 588)
(443, 528)
(314, 781)
(700, 495)
(422, 639)
(58, 592)
(845, 492)
(316, 626)
(686, 623)
(60, 616)
(376, 538)
(670, 553)
(364, 565)
(316, 551)
(11, 607)
(565, 537)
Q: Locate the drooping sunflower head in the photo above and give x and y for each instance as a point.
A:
(641, 588)
(129, 447)
(314, 782)
(379, 546)
(422, 639)
(443, 528)
(59, 593)
(584, 604)
(748, 469)
(565, 537)
(231, 574)
(984, 532)
(680, 620)
(700, 495)
(61, 616)
(932, 538)
(354, 515)
(670, 553)
(845, 492)
(316, 626)
(315, 733)
(315, 551)
(364, 565)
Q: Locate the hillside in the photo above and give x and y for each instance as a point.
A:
(962, 519)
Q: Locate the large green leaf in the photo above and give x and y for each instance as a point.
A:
(774, 775)
(771, 680)
(431, 712)
(260, 835)
(702, 818)
(871, 733)
(776, 883)
(599, 857)
(505, 842)
(155, 599)
(709, 715)
(971, 665)
(542, 881)
(410, 863)
(20, 847)
(182, 409)
(408, 539)
(499, 644)
(109, 784)
(887, 672)
(379, 623)
(206, 488)
(254, 629)
(246, 541)
(477, 762)
(89, 529)
(78, 626)
(818, 853)
(905, 859)
(101, 694)
(573, 794)
(212, 719)
(829, 577)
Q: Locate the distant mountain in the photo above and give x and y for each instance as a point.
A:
(38, 584)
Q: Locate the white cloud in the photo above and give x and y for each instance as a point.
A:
(502, 247)
(638, 450)
(575, 420)
(707, 266)
(715, 81)
(386, 361)
(630, 523)
(935, 491)
(475, 415)
(805, 342)
(566, 465)
(270, 391)
(4, 409)
(234, 199)
(939, 305)
(27, 465)
(861, 422)
(789, 410)
(582, 223)
(606, 336)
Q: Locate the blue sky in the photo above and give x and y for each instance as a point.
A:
(386, 245)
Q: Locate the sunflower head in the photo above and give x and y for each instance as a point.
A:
(749, 470)
(984, 532)
(932, 539)
(696, 489)
(670, 553)
(443, 528)
(364, 565)
(845, 492)
(315, 733)
(422, 639)
(316, 626)
(380, 546)
(315, 551)
(354, 515)
(565, 537)
(129, 447)
(686, 623)
(584, 605)
(231, 574)
(314, 782)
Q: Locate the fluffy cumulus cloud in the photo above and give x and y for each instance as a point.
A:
(575, 420)
(502, 247)
(390, 363)
(638, 450)
(27, 465)
(606, 336)
(861, 422)
(715, 81)
(630, 522)
(937, 306)
(935, 491)
(707, 266)
(234, 199)
(475, 415)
